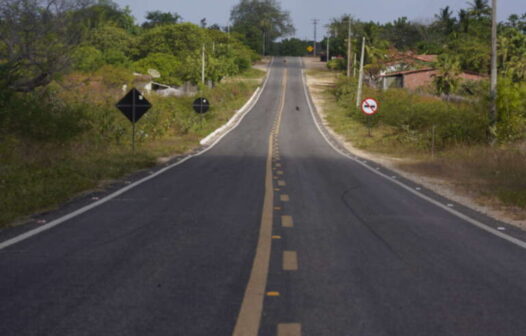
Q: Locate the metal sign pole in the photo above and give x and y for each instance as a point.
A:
(369, 124)
(133, 122)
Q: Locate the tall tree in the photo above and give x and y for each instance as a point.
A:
(445, 20)
(261, 22)
(480, 9)
(157, 18)
(463, 21)
(36, 40)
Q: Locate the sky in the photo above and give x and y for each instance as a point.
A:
(304, 11)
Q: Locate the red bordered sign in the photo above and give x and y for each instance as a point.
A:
(369, 106)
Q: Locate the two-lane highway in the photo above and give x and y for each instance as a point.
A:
(270, 232)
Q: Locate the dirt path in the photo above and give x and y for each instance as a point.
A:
(319, 83)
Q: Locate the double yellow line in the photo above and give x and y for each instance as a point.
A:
(249, 317)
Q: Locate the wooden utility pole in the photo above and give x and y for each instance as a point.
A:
(360, 77)
(264, 38)
(354, 66)
(349, 50)
(328, 47)
(203, 65)
(493, 85)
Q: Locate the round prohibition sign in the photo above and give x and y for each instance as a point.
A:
(369, 106)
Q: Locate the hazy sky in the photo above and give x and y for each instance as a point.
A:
(303, 11)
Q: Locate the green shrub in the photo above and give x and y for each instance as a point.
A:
(87, 59)
(115, 76)
(168, 65)
(116, 57)
(412, 117)
(337, 64)
(40, 116)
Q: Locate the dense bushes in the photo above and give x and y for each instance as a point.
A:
(412, 117)
(172, 49)
(23, 117)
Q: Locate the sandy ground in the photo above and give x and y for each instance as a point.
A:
(440, 186)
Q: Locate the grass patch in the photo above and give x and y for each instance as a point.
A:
(37, 175)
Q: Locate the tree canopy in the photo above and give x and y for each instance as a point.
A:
(261, 22)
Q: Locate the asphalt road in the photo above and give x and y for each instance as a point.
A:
(270, 230)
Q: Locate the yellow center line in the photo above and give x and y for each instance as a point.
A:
(289, 329)
(290, 261)
(249, 318)
(286, 221)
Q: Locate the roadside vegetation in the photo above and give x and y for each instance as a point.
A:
(441, 130)
(64, 65)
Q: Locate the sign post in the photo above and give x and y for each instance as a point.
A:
(369, 108)
(133, 105)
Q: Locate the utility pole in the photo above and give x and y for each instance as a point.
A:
(493, 84)
(264, 37)
(328, 47)
(228, 37)
(360, 78)
(354, 66)
(203, 65)
(349, 49)
(315, 22)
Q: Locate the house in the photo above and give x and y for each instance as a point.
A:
(414, 79)
(409, 79)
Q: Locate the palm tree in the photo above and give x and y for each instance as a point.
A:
(463, 20)
(480, 9)
(446, 80)
(445, 20)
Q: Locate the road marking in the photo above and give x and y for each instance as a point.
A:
(248, 106)
(282, 183)
(290, 261)
(273, 293)
(452, 211)
(277, 208)
(276, 189)
(280, 172)
(289, 329)
(286, 221)
(284, 198)
(249, 318)
(276, 237)
(278, 164)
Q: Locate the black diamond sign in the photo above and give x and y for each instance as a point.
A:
(134, 105)
(201, 105)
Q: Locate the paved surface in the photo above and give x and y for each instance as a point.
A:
(351, 253)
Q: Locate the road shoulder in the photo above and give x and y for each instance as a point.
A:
(319, 83)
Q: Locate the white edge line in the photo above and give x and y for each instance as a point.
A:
(88, 207)
(460, 215)
(239, 113)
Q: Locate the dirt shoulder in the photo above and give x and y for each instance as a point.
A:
(319, 82)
